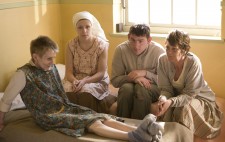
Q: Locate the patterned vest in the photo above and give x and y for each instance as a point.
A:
(43, 93)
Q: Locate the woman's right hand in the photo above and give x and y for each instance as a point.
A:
(75, 84)
(163, 106)
(154, 109)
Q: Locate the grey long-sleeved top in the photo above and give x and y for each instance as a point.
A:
(194, 84)
(125, 61)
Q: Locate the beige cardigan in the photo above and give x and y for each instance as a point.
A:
(194, 83)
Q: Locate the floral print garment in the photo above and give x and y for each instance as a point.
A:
(85, 64)
(45, 98)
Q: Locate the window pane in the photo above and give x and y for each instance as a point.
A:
(160, 15)
(197, 17)
(206, 16)
(138, 11)
(184, 12)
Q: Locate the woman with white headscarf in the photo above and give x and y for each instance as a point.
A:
(87, 80)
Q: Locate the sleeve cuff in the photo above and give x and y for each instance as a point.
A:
(167, 94)
(172, 101)
(150, 76)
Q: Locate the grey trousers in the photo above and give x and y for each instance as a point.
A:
(134, 100)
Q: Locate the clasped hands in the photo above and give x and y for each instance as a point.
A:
(138, 76)
(78, 84)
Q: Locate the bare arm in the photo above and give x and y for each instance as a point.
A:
(102, 66)
(14, 87)
(69, 65)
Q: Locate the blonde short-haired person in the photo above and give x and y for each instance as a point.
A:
(86, 81)
(41, 90)
(189, 100)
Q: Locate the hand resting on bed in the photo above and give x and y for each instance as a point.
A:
(16, 104)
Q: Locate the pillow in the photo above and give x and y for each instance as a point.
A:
(61, 70)
(17, 102)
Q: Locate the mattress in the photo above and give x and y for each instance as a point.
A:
(21, 127)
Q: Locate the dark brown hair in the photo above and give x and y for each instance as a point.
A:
(140, 30)
(180, 39)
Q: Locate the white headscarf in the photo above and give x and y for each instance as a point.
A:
(96, 27)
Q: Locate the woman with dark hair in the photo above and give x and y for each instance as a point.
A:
(185, 96)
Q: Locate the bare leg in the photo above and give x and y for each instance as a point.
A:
(106, 131)
(119, 125)
(117, 130)
(113, 109)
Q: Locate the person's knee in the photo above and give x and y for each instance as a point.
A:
(154, 90)
(126, 91)
(94, 126)
(180, 112)
(183, 109)
(113, 109)
(141, 93)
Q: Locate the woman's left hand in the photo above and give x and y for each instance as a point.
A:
(154, 108)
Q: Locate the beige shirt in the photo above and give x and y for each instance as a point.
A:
(125, 61)
(16, 84)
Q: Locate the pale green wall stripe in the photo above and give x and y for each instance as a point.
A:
(27, 4)
(43, 2)
(86, 1)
